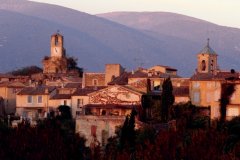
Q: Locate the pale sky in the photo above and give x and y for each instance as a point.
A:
(222, 12)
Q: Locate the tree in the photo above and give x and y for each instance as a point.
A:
(26, 71)
(167, 99)
(233, 139)
(72, 62)
(65, 112)
(227, 89)
(127, 133)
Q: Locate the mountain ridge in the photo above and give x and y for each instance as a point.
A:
(96, 41)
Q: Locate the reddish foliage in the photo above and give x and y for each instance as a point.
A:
(41, 142)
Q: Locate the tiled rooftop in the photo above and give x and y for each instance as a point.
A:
(41, 90)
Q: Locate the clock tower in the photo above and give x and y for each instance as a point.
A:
(57, 49)
(57, 63)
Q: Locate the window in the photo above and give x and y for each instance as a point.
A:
(29, 99)
(39, 99)
(212, 62)
(232, 112)
(196, 97)
(95, 82)
(79, 103)
(203, 65)
(208, 97)
(196, 84)
(103, 112)
(93, 130)
(56, 40)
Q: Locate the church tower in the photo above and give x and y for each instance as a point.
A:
(57, 49)
(207, 60)
(57, 63)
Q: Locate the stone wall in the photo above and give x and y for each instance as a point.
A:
(97, 129)
(89, 78)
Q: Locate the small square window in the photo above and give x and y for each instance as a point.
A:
(79, 103)
(95, 82)
(29, 99)
(196, 97)
(39, 99)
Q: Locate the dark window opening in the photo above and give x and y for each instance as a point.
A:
(203, 65)
(56, 40)
(103, 112)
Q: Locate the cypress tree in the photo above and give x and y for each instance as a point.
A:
(167, 99)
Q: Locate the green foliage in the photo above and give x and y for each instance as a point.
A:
(167, 99)
(26, 71)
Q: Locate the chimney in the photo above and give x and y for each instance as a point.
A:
(150, 74)
(46, 91)
(132, 71)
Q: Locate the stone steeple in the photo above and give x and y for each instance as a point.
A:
(207, 60)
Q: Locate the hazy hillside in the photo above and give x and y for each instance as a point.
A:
(95, 41)
(25, 29)
(225, 40)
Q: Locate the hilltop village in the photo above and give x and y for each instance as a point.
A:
(100, 101)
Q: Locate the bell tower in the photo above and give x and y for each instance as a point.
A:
(57, 49)
(207, 60)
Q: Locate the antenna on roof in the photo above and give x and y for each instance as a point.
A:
(58, 31)
(138, 62)
(208, 40)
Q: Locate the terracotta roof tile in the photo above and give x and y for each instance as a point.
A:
(120, 80)
(12, 84)
(61, 96)
(87, 90)
(140, 74)
(73, 85)
(109, 106)
(41, 90)
(167, 67)
(181, 91)
(219, 76)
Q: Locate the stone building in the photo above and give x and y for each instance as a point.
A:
(102, 79)
(103, 110)
(8, 91)
(207, 60)
(34, 102)
(57, 62)
(205, 85)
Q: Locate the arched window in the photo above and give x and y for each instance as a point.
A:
(103, 112)
(212, 65)
(94, 82)
(203, 65)
(56, 40)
